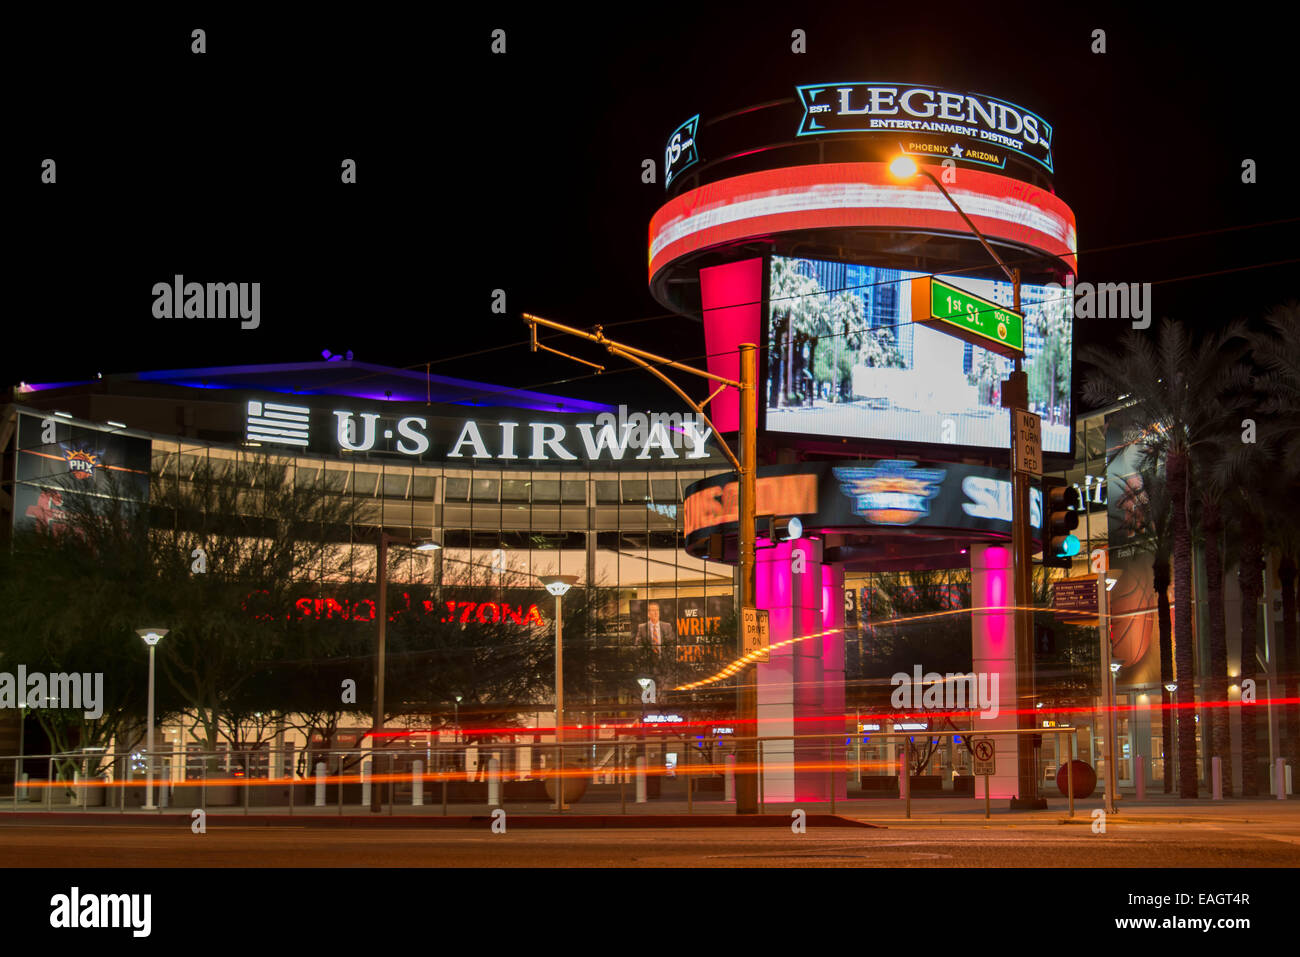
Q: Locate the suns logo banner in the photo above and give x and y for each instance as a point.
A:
(82, 460)
(894, 492)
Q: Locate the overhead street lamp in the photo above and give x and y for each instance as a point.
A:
(558, 585)
(421, 545)
(151, 638)
(1015, 398)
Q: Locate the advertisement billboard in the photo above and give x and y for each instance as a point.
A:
(885, 495)
(846, 360)
(685, 630)
(61, 468)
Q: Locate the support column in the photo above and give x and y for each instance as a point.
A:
(790, 693)
(833, 673)
(993, 653)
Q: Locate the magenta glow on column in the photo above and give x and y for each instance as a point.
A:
(997, 590)
(732, 297)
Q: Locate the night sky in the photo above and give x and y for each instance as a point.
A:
(478, 171)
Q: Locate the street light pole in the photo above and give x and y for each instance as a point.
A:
(745, 465)
(151, 638)
(557, 585)
(1015, 398)
(746, 779)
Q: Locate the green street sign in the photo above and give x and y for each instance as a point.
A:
(969, 318)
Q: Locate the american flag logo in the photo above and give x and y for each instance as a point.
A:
(271, 423)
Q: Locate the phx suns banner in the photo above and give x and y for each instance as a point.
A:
(62, 467)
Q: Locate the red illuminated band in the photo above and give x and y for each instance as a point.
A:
(856, 195)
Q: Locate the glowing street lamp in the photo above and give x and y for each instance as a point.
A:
(151, 638)
(557, 585)
(902, 167)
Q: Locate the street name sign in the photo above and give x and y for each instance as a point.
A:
(969, 318)
(755, 632)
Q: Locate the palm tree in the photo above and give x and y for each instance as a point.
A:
(1215, 466)
(798, 314)
(1167, 382)
(1277, 352)
(1245, 509)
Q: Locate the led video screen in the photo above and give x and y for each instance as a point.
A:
(844, 359)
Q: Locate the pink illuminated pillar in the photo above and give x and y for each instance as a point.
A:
(993, 653)
(791, 692)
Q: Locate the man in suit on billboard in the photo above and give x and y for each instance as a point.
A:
(659, 633)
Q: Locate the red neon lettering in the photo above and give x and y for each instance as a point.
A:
(451, 607)
(485, 607)
(534, 616)
(356, 606)
(406, 606)
(518, 616)
(331, 606)
(468, 606)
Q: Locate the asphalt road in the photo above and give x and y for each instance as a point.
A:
(1186, 844)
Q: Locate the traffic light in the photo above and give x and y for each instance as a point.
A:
(782, 529)
(1060, 519)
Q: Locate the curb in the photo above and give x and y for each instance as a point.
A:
(540, 821)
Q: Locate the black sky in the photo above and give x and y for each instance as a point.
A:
(522, 171)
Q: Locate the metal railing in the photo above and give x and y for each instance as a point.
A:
(699, 770)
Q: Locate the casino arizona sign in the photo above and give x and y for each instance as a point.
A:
(365, 609)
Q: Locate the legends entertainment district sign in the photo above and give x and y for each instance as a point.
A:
(926, 120)
(969, 318)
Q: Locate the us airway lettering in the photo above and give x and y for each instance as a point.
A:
(365, 609)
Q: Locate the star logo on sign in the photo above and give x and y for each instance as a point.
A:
(956, 150)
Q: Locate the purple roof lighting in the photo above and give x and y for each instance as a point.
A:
(42, 386)
(367, 381)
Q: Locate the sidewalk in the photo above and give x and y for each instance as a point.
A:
(888, 812)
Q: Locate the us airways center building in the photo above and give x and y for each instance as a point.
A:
(509, 484)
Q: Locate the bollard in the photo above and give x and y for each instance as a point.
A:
(26, 778)
(494, 781)
(78, 795)
(417, 784)
(164, 794)
(1216, 778)
(729, 781)
(1279, 775)
(640, 779)
(320, 783)
(365, 783)
(1141, 778)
